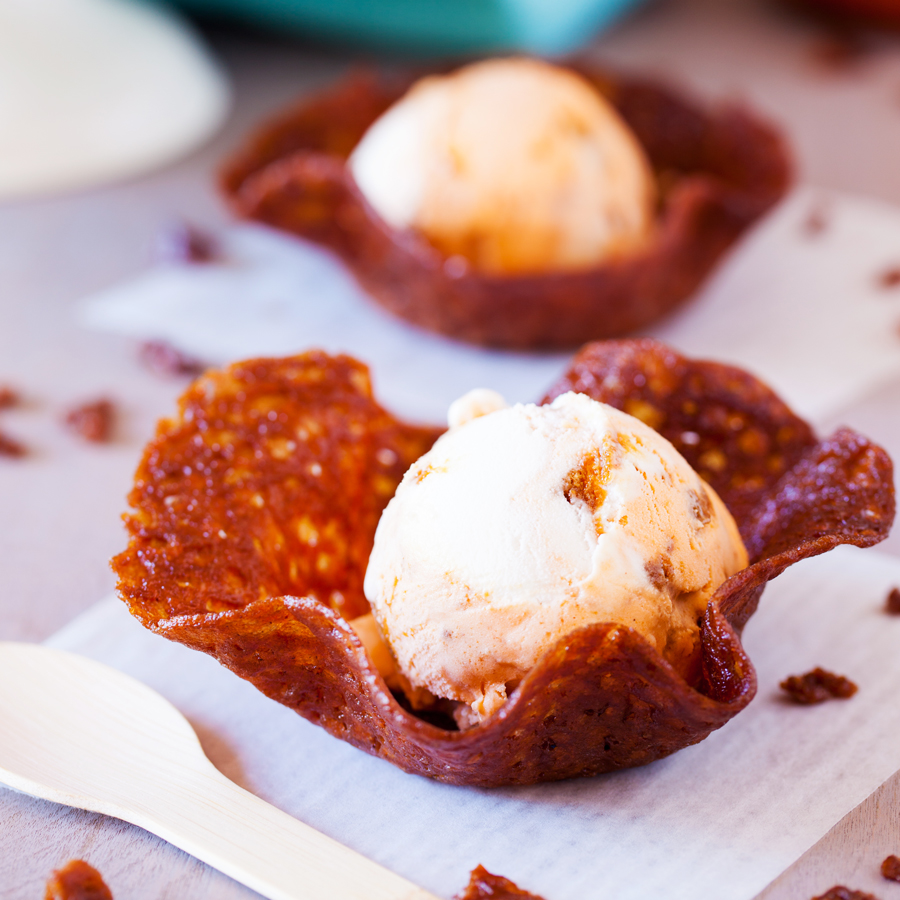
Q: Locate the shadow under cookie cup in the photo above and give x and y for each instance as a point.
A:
(602, 698)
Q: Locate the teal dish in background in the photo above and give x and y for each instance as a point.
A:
(431, 26)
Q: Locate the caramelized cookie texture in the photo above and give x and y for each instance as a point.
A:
(267, 586)
(717, 170)
(269, 482)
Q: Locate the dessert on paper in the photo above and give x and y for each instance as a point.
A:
(255, 508)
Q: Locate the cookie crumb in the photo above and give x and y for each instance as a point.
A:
(485, 886)
(8, 397)
(890, 278)
(892, 602)
(817, 221)
(11, 447)
(77, 880)
(839, 52)
(181, 242)
(92, 421)
(818, 686)
(162, 358)
(839, 892)
(890, 868)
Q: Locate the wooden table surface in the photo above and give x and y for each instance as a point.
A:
(60, 506)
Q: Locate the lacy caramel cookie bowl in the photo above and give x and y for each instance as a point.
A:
(254, 510)
(717, 170)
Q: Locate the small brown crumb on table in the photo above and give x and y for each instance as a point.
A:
(817, 221)
(10, 447)
(92, 421)
(162, 358)
(892, 602)
(8, 397)
(817, 686)
(890, 868)
(839, 52)
(889, 278)
(181, 242)
(485, 886)
(839, 892)
(77, 880)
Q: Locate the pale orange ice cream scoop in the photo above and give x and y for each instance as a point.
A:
(524, 523)
(513, 165)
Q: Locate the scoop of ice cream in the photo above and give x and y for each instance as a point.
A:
(513, 164)
(525, 523)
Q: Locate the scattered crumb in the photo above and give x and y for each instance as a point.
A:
(77, 880)
(892, 602)
(817, 220)
(485, 886)
(8, 397)
(852, 27)
(10, 447)
(890, 278)
(183, 243)
(839, 51)
(890, 868)
(92, 421)
(817, 686)
(164, 359)
(839, 892)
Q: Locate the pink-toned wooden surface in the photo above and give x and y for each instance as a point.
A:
(60, 506)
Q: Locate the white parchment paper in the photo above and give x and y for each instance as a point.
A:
(718, 820)
(803, 308)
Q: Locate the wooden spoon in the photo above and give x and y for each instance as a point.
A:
(77, 732)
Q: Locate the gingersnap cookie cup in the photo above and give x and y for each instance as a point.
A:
(254, 510)
(717, 171)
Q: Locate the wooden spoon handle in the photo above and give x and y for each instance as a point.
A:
(264, 848)
(77, 732)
